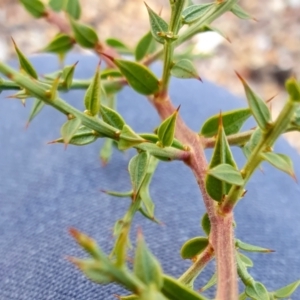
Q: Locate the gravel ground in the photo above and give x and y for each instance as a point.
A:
(265, 51)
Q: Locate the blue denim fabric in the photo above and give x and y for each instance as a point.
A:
(44, 190)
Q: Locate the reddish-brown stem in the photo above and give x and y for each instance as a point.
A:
(222, 235)
(55, 19)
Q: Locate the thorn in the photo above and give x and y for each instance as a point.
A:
(270, 99)
(220, 119)
(160, 11)
(295, 178)
(103, 191)
(27, 125)
(199, 78)
(107, 56)
(177, 110)
(240, 77)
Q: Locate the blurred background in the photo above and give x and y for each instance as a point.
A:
(265, 50)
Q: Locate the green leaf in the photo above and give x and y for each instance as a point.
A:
(87, 243)
(158, 25)
(240, 12)
(82, 137)
(258, 107)
(248, 263)
(57, 5)
(227, 173)
(222, 155)
(211, 282)
(73, 9)
(93, 270)
(251, 248)
(253, 142)
(67, 76)
(232, 122)
(69, 129)
(144, 46)
(85, 35)
(118, 45)
(61, 44)
(184, 69)
(139, 77)
(111, 117)
(293, 88)
(147, 201)
(205, 223)
(286, 291)
(137, 167)
(146, 267)
(257, 291)
(175, 290)
(25, 64)
(128, 138)
(193, 247)
(194, 12)
(34, 7)
(92, 95)
(279, 161)
(166, 130)
(106, 151)
(243, 296)
(36, 108)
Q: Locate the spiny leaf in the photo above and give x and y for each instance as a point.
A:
(146, 266)
(111, 117)
(25, 63)
(257, 291)
(82, 137)
(158, 25)
(128, 138)
(61, 44)
(166, 130)
(193, 247)
(251, 248)
(240, 12)
(139, 77)
(184, 69)
(69, 129)
(222, 155)
(194, 12)
(144, 46)
(286, 291)
(34, 7)
(73, 9)
(258, 107)
(227, 173)
(154, 139)
(205, 223)
(36, 108)
(279, 161)
(232, 122)
(92, 95)
(138, 169)
(67, 75)
(87, 243)
(93, 270)
(85, 35)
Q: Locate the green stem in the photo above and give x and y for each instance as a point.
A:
(266, 142)
(237, 139)
(196, 268)
(195, 28)
(39, 91)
